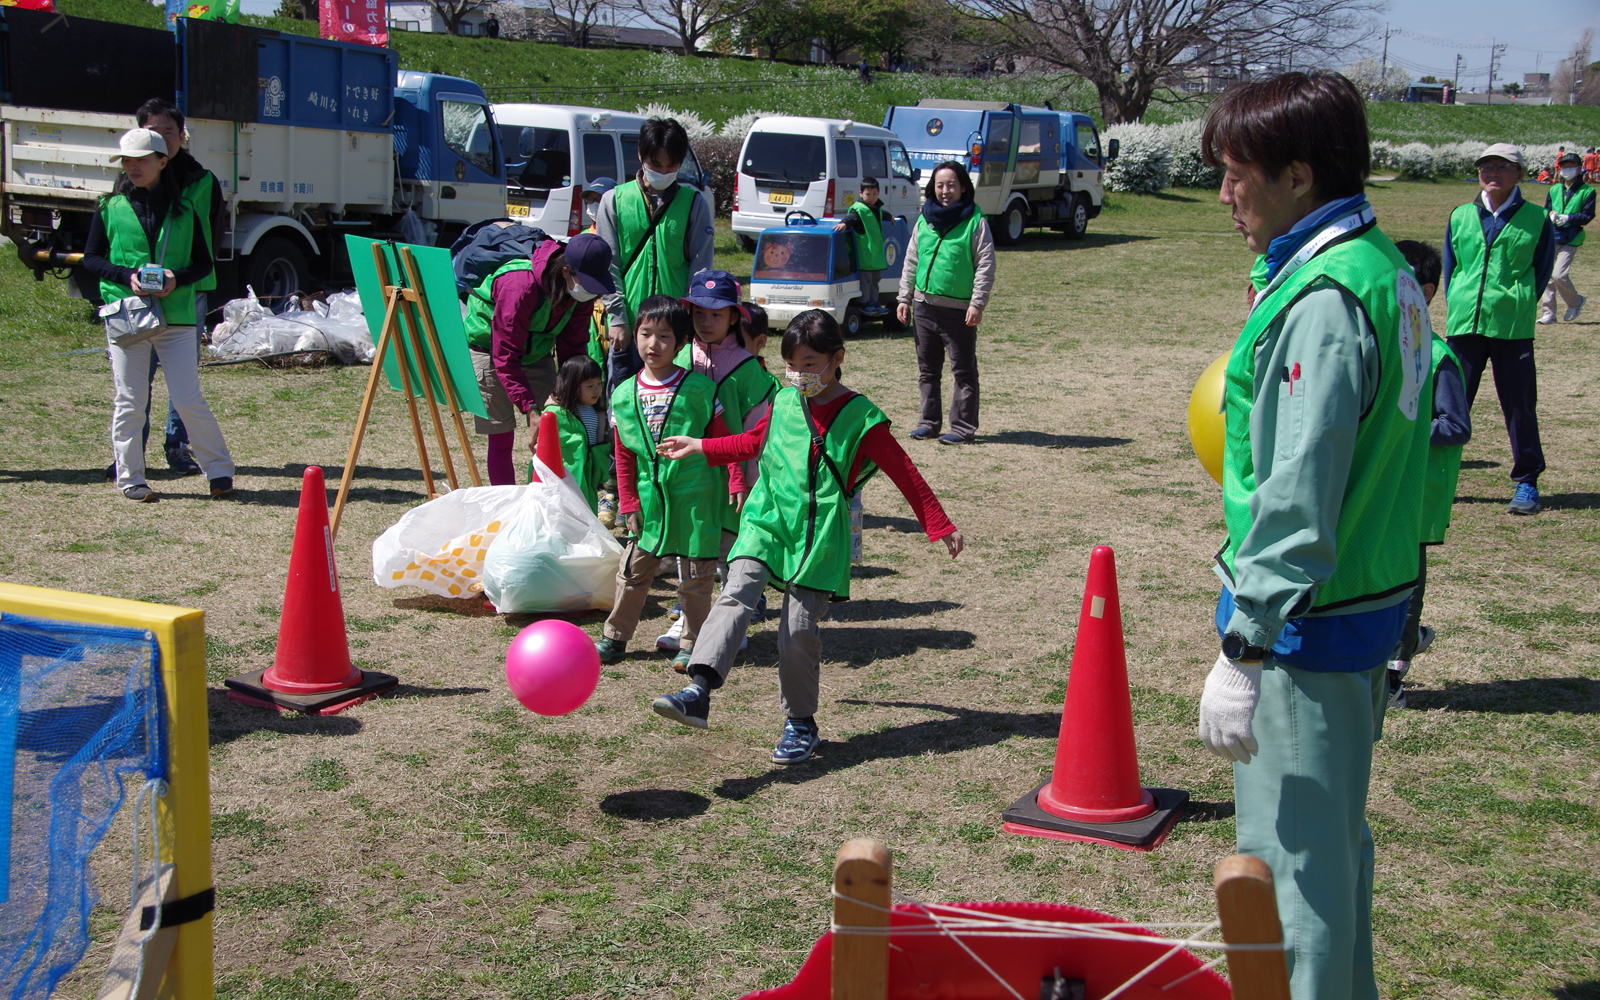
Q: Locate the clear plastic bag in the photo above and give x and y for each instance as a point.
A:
(553, 554)
(440, 546)
(250, 330)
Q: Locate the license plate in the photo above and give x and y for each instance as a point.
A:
(518, 209)
(780, 197)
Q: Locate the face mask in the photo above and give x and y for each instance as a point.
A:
(1568, 173)
(588, 211)
(581, 294)
(807, 384)
(657, 180)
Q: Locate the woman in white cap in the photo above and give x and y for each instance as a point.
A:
(145, 221)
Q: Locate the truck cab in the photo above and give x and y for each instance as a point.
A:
(452, 170)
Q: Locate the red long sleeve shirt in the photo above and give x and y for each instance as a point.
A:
(878, 445)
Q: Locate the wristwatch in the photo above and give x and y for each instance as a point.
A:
(1235, 648)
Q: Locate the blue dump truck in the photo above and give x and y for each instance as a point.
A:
(310, 139)
(1032, 166)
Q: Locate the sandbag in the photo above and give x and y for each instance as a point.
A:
(440, 546)
(553, 554)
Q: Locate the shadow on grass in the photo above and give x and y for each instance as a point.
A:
(1527, 696)
(1039, 439)
(965, 729)
(1587, 990)
(1036, 242)
(872, 572)
(522, 619)
(291, 497)
(908, 525)
(1551, 501)
(857, 646)
(467, 607)
(654, 804)
(156, 472)
(1206, 812)
(1480, 463)
(231, 720)
(412, 691)
(883, 610)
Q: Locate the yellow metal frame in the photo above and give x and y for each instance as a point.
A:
(185, 812)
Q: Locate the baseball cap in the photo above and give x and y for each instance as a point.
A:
(1570, 159)
(590, 259)
(1504, 150)
(137, 142)
(599, 186)
(714, 290)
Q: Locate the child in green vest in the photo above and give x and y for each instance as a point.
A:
(1451, 430)
(865, 218)
(673, 507)
(585, 437)
(819, 445)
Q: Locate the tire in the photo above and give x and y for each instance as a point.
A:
(746, 243)
(891, 322)
(1077, 218)
(276, 268)
(853, 318)
(1012, 223)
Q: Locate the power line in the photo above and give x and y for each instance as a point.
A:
(1450, 43)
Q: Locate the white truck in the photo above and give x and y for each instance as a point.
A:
(309, 139)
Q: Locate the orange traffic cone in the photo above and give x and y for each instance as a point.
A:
(312, 671)
(548, 448)
(1094, 793)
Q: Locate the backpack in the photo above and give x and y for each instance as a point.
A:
(483, 247)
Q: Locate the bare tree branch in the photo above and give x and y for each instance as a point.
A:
(452, 12)
(692, 20)
(579, 17)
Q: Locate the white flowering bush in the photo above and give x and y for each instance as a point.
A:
(1419, 161)
(739, 126)
(1144, 160)
(697, 127)
(1414, 162)
(1189, 168)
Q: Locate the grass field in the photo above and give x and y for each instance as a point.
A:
(444, 843)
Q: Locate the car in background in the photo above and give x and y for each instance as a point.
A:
(804, 264)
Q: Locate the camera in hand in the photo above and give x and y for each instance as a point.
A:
(152, 278)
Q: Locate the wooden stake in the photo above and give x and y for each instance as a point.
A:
(404, 364)
(124, 967)
(408, 260)
(861, 879)
(1248, 907)
(373, 377)
(415, 339)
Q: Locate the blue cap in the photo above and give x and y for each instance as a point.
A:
(590, 259)
(713, 289)
(599, 186)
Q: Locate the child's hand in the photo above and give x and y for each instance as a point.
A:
(635, 523)
(738, 499)
(678, 446)
(954, 542)
(841, 227)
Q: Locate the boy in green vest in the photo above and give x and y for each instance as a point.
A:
(1570, 207)
(1450, 431)
(865, 218)
(1499, 251)
(673, 507)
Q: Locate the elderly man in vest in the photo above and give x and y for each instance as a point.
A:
(1327, 418)
(1499, 251)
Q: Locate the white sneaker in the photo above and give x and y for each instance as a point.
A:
(1546, 318)
(669, 642)
(1573, 311)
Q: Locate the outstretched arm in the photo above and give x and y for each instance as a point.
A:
(880, 448)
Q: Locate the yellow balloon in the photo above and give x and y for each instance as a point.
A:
(1207, 427)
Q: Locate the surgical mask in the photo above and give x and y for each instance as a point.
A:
(807, 384)
(581, 294)
(588, 211)
(657, 180)
(1568, 173)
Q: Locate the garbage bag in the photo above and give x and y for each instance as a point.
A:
(554, 554)
(440, 546)
(249, 329)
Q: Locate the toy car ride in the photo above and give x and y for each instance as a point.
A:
(803, 264)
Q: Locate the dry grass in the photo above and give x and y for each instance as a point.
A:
(443, 842)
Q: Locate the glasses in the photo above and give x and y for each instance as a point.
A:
(1497, 168)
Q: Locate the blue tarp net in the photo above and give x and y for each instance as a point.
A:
(81, 729)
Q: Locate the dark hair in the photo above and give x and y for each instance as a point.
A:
(758, 321)
(962, 177)
(156, 107)
(668, 310)
(169, 185)
(869, 182)
(663, 133)
(569, 380)
(554, 283)
(1315, 118)
(1424, 261)
(814, 330)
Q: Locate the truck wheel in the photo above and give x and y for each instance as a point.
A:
(276, 269)
(1078, 218)
(746, 243)
(853, 318)
(1012, 222)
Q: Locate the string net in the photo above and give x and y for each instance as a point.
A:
(81, 724)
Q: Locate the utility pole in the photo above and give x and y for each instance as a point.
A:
(1383, 73)
(1495, 52)
(1455, 81)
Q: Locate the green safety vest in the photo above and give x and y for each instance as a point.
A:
(1444, 467)
(797, 520)
(947, 273)
(1491, 293)
(739, 392)
(869, 244)
(1564, 202)
(588, 463)
(680, 500)
(130, 247)
(660, 268)
(1258, 272)
(198, 197)
(480, 312)
(1381, 513)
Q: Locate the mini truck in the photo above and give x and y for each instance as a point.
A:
(1031, 166)
(309, 139)
(803, 264)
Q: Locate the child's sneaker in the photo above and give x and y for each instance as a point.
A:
(670, 640)
(610, 650)
(607, 512)
(1397, 691)
(689, 706)
(798, 743)
(675, 613)
(680, 663)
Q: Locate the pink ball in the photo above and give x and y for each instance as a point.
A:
(552, 667)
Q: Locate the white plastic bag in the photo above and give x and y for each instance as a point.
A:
(553, 554)
(249, 329)
(441, 545)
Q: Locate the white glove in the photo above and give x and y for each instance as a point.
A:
(1562, 220)
(1226, 707)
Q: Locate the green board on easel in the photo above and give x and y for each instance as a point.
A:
(439, 288)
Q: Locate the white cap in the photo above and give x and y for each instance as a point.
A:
(138, 142)
(1504, 150)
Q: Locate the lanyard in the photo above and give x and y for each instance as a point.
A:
(1332, 232)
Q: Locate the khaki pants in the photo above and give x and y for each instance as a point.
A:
(635, 573)
(503, 417)
(1560, 281)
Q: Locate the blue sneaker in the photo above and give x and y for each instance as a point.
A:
(760, 612)
(1526, 500)
(689, 707)
(610, 650)
(799, 742)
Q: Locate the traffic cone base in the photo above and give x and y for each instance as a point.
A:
(1143, 834)
(248, 689)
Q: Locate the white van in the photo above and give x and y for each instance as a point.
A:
(815, 165)
(552, 150)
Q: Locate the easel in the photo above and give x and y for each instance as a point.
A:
(411, 347)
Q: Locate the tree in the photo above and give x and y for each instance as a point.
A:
(692, 20)
(775, 25)
(579, 17)
(454, 12)
(1377, 83)
(1513, 89)
(1575, 81)
(1133, 50)
(298, 10)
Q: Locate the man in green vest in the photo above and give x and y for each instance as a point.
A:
(865, 218)
(660, 232)
(1323, 464)
(1570, 207)
(1499, 251)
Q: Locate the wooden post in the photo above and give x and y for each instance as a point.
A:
(124, 967)
(861, 875)
(367, 398)
(1248, 908)
(403, 363)
(414, 337)
(408, 260)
